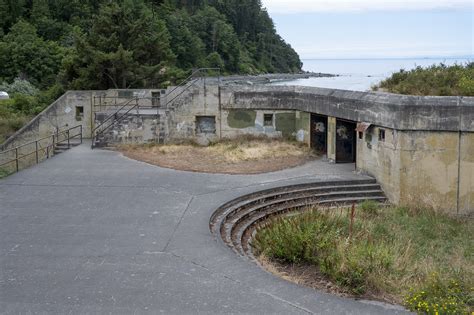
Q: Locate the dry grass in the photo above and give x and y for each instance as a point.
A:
(244, 155)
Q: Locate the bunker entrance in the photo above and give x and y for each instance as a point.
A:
(319, 133)
(345, 141)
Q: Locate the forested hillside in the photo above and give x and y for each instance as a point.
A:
(49, 46)
(86, 44)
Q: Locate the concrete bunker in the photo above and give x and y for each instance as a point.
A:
(418, 148)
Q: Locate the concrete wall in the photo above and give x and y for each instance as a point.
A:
(381, 159)
(427, 156)
(137, 127)
(466, 174)
(207, 101)
(400, 112)
(426, 168)
(59, 115)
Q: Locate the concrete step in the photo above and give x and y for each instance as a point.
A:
(236, 221)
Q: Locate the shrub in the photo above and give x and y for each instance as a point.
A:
(19, 86)
(322, 238)
(388, 252)
(434, 80)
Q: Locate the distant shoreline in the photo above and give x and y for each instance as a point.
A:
(271, 77)
(394, 58)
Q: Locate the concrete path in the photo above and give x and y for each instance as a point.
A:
(95, 232)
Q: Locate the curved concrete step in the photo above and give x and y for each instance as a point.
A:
(237, 221)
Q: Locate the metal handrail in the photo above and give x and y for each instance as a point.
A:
(100, 105)
(188, 79)
(95, 133)
(51, 145)
(110, 116)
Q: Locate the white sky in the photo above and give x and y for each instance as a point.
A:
(375, 28)
(307, 6)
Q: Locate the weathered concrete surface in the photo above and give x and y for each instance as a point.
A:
(432, 169)
(401, 112)
(94, 232)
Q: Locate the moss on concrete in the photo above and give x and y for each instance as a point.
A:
(285, 122)
(302, 121)
(241, 118)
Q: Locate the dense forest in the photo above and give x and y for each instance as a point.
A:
(49, 46)
(435, 80)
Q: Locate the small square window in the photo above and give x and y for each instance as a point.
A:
(361, 135)
(268, 120)
(79, 113)
(382, 135)
(205, 124)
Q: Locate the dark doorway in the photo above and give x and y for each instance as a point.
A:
(345, 141)
(319, 133)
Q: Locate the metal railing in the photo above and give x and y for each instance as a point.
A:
(118, 116)
(190, 79)
(46, 150)
(100, 129)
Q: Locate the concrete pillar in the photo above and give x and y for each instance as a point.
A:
(332, 139)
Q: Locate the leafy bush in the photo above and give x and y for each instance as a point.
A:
(434, 80)
(19, 86)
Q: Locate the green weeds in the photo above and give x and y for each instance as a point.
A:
(392, 251)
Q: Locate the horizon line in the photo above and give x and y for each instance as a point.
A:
(393, 58)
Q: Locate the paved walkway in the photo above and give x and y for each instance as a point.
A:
(95, 232)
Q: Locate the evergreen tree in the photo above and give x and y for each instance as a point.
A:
(136, 43)
(127, 47)
(26, 55)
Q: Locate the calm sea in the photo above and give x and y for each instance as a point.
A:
(362, 74)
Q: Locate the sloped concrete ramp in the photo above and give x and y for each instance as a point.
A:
(91, 232)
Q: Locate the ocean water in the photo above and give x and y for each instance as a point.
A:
(362, 74)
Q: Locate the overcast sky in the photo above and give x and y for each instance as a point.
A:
(375, 28)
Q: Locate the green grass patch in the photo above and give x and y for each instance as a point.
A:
(392, 251)
(4, 173)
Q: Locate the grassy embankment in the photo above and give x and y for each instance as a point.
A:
(419, 258)
(243, 155)
(435, 80)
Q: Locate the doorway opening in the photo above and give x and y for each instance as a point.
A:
(346, 141)
(319, 133)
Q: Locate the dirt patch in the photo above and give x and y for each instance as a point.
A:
(309, 276)
(237, 156)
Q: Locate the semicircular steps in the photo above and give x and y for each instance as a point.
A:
(236, 221)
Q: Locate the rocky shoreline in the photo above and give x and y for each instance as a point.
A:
(268, 78)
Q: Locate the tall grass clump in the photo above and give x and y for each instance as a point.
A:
(389, 252)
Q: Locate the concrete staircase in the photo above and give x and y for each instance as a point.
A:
(237, 221)
(63, 147)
